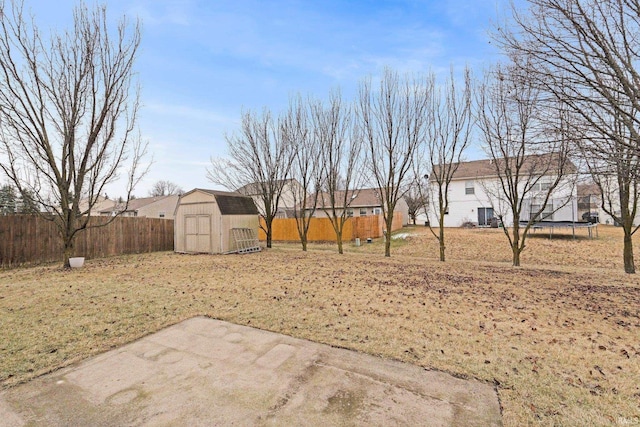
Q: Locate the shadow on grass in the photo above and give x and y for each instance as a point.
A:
(560, 236)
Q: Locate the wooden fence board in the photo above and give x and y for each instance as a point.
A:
(30, 239)
(321, 230)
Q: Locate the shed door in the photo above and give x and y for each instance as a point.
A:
(197, 233)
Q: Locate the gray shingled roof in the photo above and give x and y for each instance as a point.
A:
(364, 197)
(133, 205)
(255, 188)
(233, 203)
(486, 168)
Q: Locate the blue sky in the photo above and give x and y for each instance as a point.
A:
(202, 62)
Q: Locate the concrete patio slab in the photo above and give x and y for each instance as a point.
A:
(208, 372)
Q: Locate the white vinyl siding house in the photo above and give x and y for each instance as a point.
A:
(472, 198)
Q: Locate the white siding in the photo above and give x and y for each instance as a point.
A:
(464, 207)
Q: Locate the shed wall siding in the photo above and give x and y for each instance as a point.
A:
(198, 207)
(236, 221)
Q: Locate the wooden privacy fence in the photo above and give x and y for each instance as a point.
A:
(321, 230)
(31, 239)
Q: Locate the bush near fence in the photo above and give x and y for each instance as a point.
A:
(31, 239)
(321, 230)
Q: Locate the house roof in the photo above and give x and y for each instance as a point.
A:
(101, 203)
(255, 188)
(364, 197)
(486, 167)
(134, 204)
(231, 203)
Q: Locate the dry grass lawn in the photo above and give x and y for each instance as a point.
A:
(559, 337)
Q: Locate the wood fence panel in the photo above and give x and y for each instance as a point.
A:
(321, 230)
(30, 239)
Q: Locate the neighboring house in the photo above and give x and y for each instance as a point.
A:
(364, 202)
(149, 207)
(287, 201)
(472, 200)
(590, 204)
(101, 203)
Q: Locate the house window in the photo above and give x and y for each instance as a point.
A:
(468, 188)
(349, 213)
(545, 215)
(541, 186)
(161, 214)
(377, 211)
(363, 212)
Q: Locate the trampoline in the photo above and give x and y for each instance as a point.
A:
(552, 225)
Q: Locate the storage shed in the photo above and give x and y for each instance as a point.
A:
(204, 220)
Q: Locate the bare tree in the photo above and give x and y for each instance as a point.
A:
(417, 198)
(165, 188)
(585, 52)
(613, 164)
(258, 165)
(68, 113)
(393, 121)
(342, 160)
(529, 156)
(306, 167)
(448, 136)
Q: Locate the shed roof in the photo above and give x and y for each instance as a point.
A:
(231, 203)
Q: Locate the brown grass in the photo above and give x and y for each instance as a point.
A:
(560, 337)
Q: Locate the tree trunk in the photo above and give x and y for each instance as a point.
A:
(68, 251)
(515, 244)
(69, 237)
(339, 241)
(387, 238)
(303, 240)
(627, 254)
(442, 246)
(268, 222)
(516, 256)
(269, 233)
(441, 236)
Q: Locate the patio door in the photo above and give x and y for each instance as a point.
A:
(485, 215)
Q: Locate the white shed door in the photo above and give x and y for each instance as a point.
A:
(197, 233)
